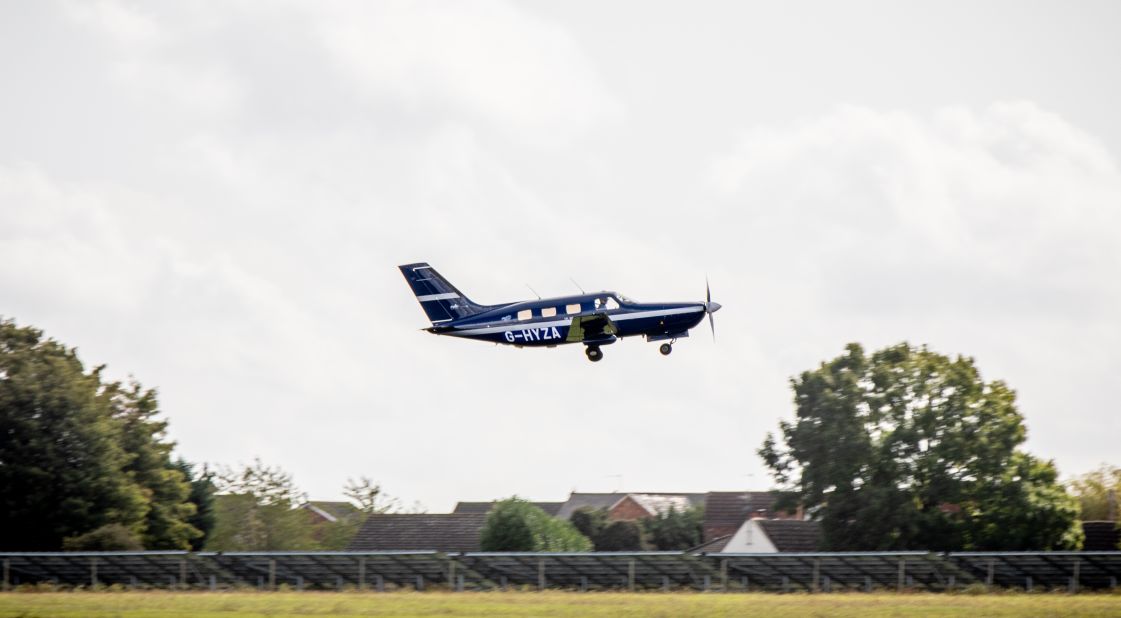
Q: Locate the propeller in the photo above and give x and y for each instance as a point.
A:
(710, 308)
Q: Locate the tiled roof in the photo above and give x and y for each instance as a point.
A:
(1100, 536)
(578, 501)
(449, 532)
(716, 545)
(792, 534)
(725, 511)
(484, 507)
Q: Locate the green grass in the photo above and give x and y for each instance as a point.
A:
(559, 604)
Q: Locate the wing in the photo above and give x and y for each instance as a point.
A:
(596, 327)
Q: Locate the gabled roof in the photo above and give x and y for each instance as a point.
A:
(792, 534)
(1100, 536)
(578, 501)
(725, 511)
(331, 511)
(484, 507)
(448, 532)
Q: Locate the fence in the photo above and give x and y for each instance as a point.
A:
(379, 571)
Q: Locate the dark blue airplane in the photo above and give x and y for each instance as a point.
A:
(594, 320)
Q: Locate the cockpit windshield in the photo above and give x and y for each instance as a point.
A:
(624, 299)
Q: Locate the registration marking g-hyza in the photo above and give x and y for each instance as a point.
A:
(533, 334)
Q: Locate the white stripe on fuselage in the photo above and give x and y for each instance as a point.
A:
(444, 296)
(566, 321)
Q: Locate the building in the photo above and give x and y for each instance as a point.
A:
(331, 512)
(726, 515)
(446, 532)
(766, 536)
(484, 507)
(634, 505)
(726, 512)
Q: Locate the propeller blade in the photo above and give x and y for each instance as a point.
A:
(709, 309)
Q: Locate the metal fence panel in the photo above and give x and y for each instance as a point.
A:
(815, 572)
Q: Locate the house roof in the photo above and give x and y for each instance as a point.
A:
(1100, 536)
(716, 545)
(578, 501)
(484, 507)
(449, 532)
(661, 503)
(331, 511)
(789, 535)
(725, 511)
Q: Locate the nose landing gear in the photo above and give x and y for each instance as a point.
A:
(665, 349)
(594, 353)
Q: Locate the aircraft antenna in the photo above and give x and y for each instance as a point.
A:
(577, 285)
(533, 290)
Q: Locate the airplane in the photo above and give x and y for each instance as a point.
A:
(594, 320)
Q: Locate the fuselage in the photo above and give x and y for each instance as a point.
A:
(547, 322)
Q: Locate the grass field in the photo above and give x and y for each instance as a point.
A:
(560, 604)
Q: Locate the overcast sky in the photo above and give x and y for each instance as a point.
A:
(213, 198)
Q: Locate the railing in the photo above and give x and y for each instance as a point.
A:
(421, 570)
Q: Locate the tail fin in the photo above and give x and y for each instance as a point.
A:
(438, 297)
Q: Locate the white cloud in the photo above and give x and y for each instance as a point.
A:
(989, 233)
(519, 72)
(126, 26)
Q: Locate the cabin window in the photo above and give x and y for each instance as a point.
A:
(612, 303)
(572, 309)
(548, 312)
(525, 314)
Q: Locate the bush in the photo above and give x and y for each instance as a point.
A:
(674, 530)
(624, 535)
(516, 525)
(588, 521)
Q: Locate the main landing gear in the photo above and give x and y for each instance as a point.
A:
(594, 353)
(665, 349)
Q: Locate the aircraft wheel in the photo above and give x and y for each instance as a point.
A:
(594, 354)
(665, 349)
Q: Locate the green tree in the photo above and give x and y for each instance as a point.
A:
(63, 470)
(255, 511)
(202, 497)
(674, 530)
(165, 487)
(1093, 492)
(620, 535)
(909, 449)
(517, 525)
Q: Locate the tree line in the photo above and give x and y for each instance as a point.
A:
(904, 448)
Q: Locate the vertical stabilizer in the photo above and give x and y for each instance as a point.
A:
(441, 301)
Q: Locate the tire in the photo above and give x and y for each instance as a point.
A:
(665, 349)
(594, 354)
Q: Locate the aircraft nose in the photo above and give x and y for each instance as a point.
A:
(712, 307)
